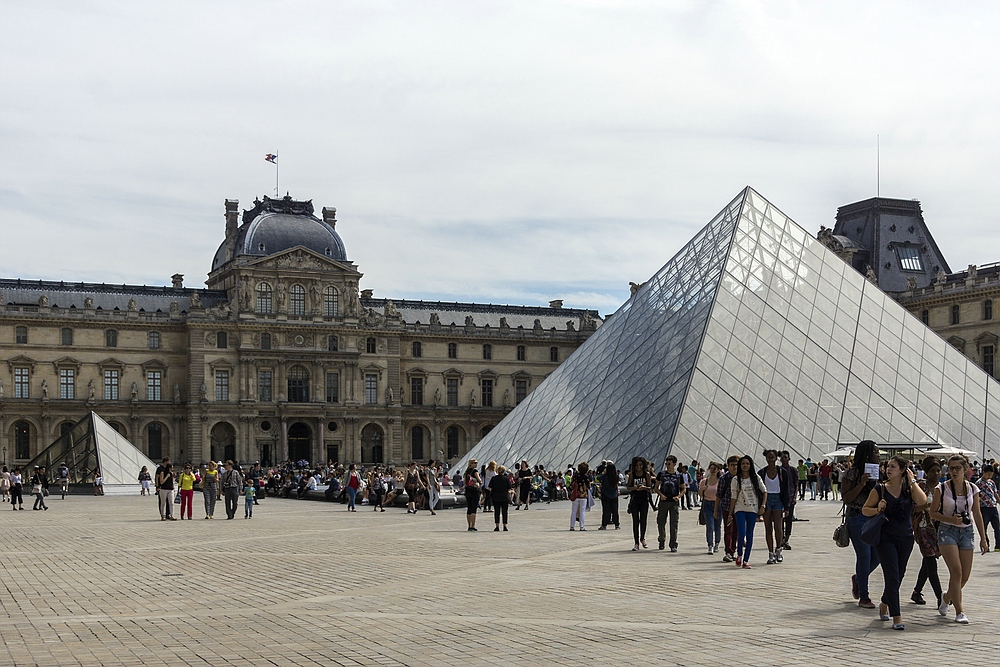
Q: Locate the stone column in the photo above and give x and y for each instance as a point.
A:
(319, 454)
(283, 456)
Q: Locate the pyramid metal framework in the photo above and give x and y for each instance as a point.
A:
(93, 444)
(753, 336)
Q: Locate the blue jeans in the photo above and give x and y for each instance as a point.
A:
(351, 494)
(247, 507)
(865, 557)
(992, 518)
(713, 526)
(745, 522)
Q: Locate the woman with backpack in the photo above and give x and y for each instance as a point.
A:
(749, 498)
(579, 488)
(896, 500)
(925, 533)
(471, 482)
(956, 507)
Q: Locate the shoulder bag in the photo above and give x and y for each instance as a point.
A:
(842, 534)
(871, 532)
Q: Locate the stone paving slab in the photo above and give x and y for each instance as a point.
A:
(101, 581)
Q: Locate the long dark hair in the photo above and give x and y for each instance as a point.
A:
(863, 454)
(645, 468)
(758, 486)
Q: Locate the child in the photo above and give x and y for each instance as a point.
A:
(248, 496)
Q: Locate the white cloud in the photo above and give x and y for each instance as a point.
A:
(508, 152)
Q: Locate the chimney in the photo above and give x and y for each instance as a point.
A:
(232, 227)
(330, 216)
(556, 304)
(177, 280)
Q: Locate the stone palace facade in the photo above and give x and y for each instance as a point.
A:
(282, 357)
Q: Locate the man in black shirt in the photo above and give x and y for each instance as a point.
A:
(670, 488)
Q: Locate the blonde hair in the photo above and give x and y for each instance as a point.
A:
(501, 470)
(492, 465)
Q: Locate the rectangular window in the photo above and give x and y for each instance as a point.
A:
(332, 344)
(154, 385)
(487, 351)
(453, 350)
(264, 379)
(416, 391)
(265, 341)
(222, 385)
(988, 359)
(520, 353)
(487, 393)
(21, 335)
(554, 354)
(925, 317)
(371, 346)
(988, 309)
(21, 383)
(154, 441)
(452, 392)
(332, 387)
(909, 258)
(110, 338)
(153, 340)
(416, 349)
(221, 340)
(66, 336)
(955, 314)
(111, 381)
(371, 388)
(520, 391)
(67, 383)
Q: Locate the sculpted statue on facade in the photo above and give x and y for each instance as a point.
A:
(43, 301)
(506, 398)
(351, 307)
(135, 391)
(132, 306)
(246, 294)
(45, 389)
(586, 321)
(470, 321)
(177, 393)
(503, 323)
(570, 325)
(88, 303)
(195, 300)
(90, 390)
(435, 319)
(911, 283)
(280, 295)
(204, 392)
(437, 396)
(870, 275)
(390, 309)
(388, 396)
(1, 389)
(941, 278)
(317, 298)
(472, 398)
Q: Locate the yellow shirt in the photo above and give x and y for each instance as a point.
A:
(186, 481)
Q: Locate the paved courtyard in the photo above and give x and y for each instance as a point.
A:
(101, 581)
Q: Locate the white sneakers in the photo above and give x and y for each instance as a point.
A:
(943, 609)
(962, 618)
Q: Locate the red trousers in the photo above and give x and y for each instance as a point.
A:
(187, 500)
(729, 531)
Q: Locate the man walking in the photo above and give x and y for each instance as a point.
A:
(670, 488)
(790, 474)
(232, 485)
(724, 499)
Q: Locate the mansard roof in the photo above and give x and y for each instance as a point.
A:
(105, 296)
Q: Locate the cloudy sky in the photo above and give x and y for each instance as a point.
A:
(503, 151)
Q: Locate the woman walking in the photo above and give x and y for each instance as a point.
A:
(500, 491)
(16, 499)
(749, 502)
(145, 481)
(708, 490)
(855, 490)
(210, 488)
(956, 507)
(412, 485)
(777, 485)
(5, 485)
(433, 486)
(354, 483)
(579, 490)
(895, 499)
(377, 484)
(472, 483)
(165, 489)
(185, 481)
(925, 531)
(39, 487)
(609, 497)
(639, 484)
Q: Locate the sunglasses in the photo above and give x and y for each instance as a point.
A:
(956, 468)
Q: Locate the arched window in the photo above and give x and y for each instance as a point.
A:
(298, 385)
(485, 431)
(371, 346)
(417, 443)
(331, 302)
(416, 349)
(22, 440)
(297, 300)
(264, 298)
(154, 441)
(453, 436)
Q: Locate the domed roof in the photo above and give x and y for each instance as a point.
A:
(276, 225)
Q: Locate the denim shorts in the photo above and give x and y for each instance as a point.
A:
(774, 503)
(959, 536)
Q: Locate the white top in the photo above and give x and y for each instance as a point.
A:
(772, 485)
(487, 476)
(965, 503)
(744, 498)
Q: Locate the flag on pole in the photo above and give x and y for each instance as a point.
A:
(272, 158)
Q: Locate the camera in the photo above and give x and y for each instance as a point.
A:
(966, 519)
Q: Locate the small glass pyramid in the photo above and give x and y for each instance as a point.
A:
(93, 444)
(754, 336)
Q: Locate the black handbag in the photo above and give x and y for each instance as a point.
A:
(842, 534)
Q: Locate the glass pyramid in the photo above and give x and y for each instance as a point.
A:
(753, 336)
(93, 444)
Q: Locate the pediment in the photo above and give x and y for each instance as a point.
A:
(301, 258)
(66, 362)
(111, 362)
(21, 360)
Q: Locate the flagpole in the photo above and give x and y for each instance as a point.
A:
(276, 168)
